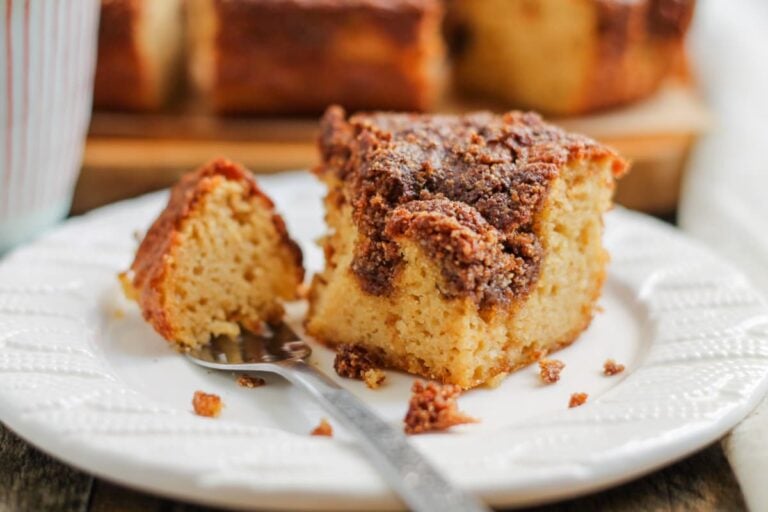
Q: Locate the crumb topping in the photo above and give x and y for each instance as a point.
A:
(466, 188)
(549, 370)
(322, 429)
(358, 362)
(207, 404)
(433, 407)
(578, 399)
(611, 367)
(249, 381)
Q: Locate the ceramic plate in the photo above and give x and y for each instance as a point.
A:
(83, 378)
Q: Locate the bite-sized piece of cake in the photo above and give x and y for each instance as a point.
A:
(139, 53)
(217, 258)
(299, 56)
(460, 247)
(566, 56)
(433, 408)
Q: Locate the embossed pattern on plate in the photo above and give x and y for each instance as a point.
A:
(699, 365)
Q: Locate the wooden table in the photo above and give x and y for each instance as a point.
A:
(32, 481)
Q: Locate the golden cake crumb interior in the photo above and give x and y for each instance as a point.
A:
(216, 259)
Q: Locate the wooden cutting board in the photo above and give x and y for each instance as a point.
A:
(128, 154)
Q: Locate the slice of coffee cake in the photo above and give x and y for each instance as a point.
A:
(217, 258)
(460, 247)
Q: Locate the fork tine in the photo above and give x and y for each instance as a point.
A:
(253, 347)
(276, 344)
(225, 349)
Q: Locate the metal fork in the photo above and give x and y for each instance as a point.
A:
(417, 482)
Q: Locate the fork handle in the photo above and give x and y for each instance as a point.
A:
(418, 483)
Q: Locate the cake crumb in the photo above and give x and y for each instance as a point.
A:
(578, 399)
(357, 362)
(126, 282)
(549, 370)
(433, 407)
(248, 381)
(207, 404)
(611, 367)
(374, 378)
(322, 429)
(118, 313)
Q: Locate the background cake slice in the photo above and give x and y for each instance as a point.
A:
(217, 258)
(139, 53)
(460, 247)
(288, 56)
(566, 56)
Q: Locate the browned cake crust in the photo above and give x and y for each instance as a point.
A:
(120, 81)
(138, 49)
(639, 43)
(566, 56)
(149, 264)
(278, 56)
(467, 188)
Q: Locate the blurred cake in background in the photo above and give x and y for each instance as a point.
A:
(565, 57)
(298, 56)
(139, 52)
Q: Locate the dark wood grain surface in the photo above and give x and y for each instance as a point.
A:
(33, 481)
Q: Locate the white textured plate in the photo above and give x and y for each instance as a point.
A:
(83, 378)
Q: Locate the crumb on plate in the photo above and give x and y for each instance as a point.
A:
(357, 362)
(249, 381)
(207, 404)
(322, 429)
(611, 367)
(549, 370)
(126, 282)
(374, 378)
(578, 399)
(433, 407)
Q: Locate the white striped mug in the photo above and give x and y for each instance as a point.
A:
(47, 58)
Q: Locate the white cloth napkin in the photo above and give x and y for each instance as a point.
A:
(725, 196)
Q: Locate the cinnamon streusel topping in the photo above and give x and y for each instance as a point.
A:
(466, 188)
(357, 362)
